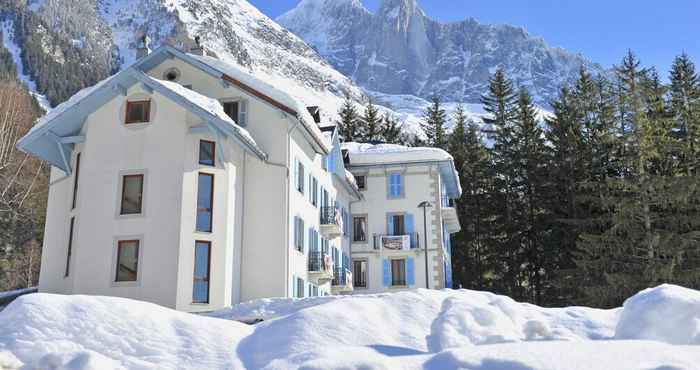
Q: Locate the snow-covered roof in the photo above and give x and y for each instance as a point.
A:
(368, 154)
(210, 105)
(53, 136)
(236, 75)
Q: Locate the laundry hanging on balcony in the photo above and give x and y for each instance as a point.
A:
(396, 242)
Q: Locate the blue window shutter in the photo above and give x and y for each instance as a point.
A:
(410, 278)
(294, 286)
(386, 267)
(331, 160)
(390, 224)
(399, 185)
(408, 218)
(311, 239)
(296, 231)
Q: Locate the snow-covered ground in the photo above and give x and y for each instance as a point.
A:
(658, 329)
(8, 41)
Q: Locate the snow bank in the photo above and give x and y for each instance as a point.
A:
(407, 323)
(49, 331)
(667, 313)
(418, 329)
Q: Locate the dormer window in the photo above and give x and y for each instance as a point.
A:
(138, 111)
(237, 110)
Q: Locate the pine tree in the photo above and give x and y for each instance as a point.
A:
(392, 130)
(501, 105)
(685, 106)
(349, 120)
(433, 125)
(531, 218)
(372, 123)
(650, 217)
(470, 252)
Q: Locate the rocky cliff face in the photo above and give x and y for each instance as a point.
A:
(401, 50)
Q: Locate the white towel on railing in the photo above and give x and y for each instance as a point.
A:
(396, 242)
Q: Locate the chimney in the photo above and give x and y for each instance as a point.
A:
(197, 49)
(142, 49)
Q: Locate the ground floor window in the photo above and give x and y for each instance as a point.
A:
(359, 273)
(300, 288)
(398, 272)
(127, 260)
(202, 262)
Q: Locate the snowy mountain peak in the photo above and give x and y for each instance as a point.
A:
(399, 50)
(393, 8)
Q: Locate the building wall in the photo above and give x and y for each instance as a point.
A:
(421, 183)
(255, 202)
(261, 269)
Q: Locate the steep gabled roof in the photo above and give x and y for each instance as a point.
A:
(236, 76)
(53, 136)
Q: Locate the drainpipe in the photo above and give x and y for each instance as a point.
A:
(287, 201)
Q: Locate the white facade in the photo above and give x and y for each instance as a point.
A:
(259, 195)
(383, 208)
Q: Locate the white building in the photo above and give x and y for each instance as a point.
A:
(391, 228)
(185, 181)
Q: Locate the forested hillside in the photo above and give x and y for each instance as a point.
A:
(23, 190)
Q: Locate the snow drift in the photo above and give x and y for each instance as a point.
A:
(420, 329)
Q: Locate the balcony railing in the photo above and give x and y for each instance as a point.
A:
(396, 242)
(342, 280)
(320, 266)
(331, 222)
(320, 262)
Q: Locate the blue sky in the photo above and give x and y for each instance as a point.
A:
(602, 30)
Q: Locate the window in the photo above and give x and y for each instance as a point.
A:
(75, 180)
(395, 185)
(205, 202)
(398, 272)
(237, 110)
(314, 190)
(70, 245)
(300, 288)
(132, 194)
(397, 225)
(138, 111)
(299, 234)
(172, 75)
(127, 260)
(207, 150)
(300, 177)
(361, 182)
(359, 273)
(202, 262)
(359, 229)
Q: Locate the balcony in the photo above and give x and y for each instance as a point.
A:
(396, 242)
(449, 215)
(342, 281)
(320, 267)
(331, 222)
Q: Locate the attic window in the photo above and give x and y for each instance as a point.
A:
(237, 110)
(138, 111)
(172, 75)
